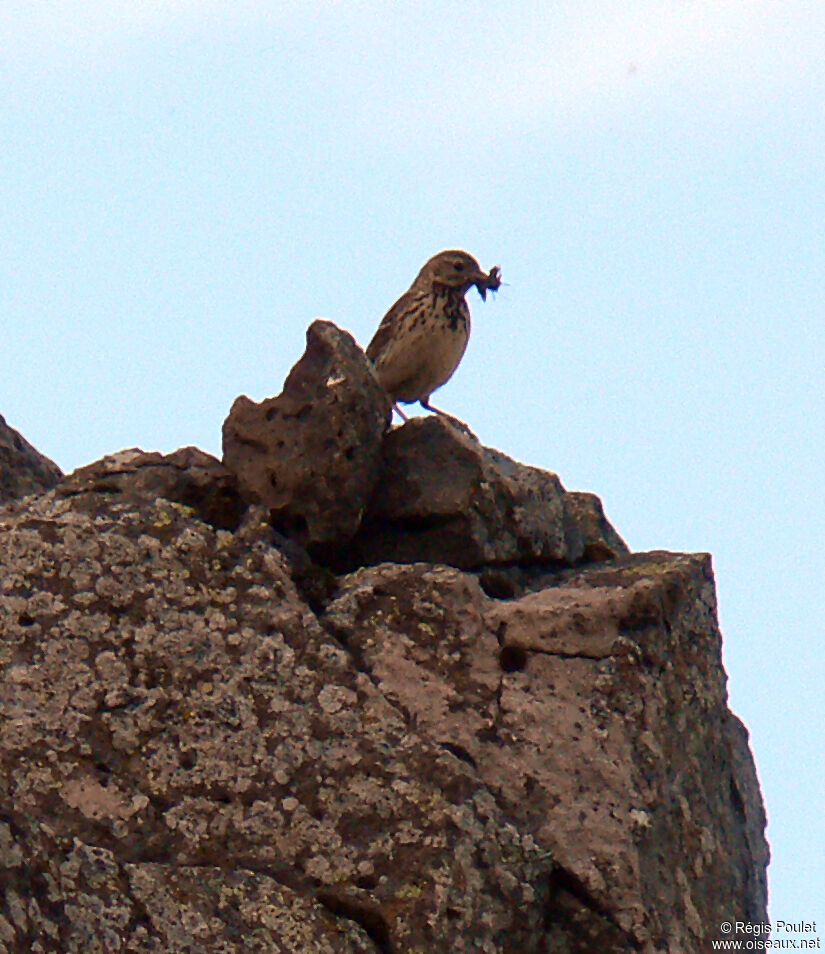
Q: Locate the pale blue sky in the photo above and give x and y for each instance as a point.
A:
(185, 185)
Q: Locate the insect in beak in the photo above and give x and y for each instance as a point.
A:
(491, 282)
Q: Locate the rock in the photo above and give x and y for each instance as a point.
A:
(312, 454)
(146, 906)
(188, 476)
(595, 713)
(443, 498)
(601, 541)
(349, 492)
(208, 742)
(190, 762)
(23, 470)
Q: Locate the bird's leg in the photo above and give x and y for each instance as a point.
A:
(425, 403)
(448, 417)
(400, 413)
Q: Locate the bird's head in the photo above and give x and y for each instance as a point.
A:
(459, 270)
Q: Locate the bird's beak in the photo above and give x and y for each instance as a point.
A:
(488, 282)
(480, 281)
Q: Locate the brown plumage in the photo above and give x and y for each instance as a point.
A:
(422, 338)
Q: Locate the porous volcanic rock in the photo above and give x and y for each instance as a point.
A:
(445, 498)
(23, 470)
(313, 453)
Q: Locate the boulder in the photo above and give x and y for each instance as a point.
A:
(444, 498)
(312, 455)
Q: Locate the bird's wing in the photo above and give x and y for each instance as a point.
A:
(386, 329)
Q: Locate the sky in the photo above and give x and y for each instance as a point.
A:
(185, 186)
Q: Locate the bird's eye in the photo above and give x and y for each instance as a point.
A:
(458, 266)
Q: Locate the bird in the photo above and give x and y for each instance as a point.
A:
(422, 338)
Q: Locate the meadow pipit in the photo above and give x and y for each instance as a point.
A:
(422, 338)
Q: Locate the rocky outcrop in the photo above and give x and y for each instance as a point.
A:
(23, 470)
(463, 719)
